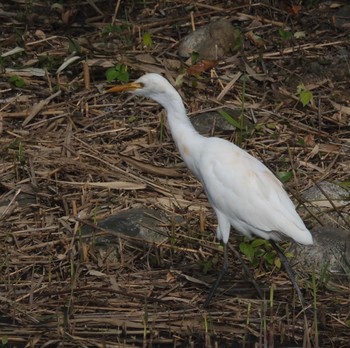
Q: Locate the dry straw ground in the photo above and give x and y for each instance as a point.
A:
(69, 154)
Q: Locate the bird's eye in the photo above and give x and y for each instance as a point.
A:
(142, 84)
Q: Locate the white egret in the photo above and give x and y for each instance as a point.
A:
(242, 191)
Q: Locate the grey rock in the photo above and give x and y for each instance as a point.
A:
(212, 41)
(330, 252)
(148, 224)
(210, 121)
(331, 249)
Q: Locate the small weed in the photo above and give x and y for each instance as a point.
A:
(4, 340)
(21, 157)
(179, 80)
(325, 275)
(119, 72)
(109, 28)
(260, 249)
(305, 95)
(17, 81)
(194, 58)
(147, 40)
(284, 34)
(284, 176)
(241, 128)
(233, 122)
(121, 33)
(208, 264)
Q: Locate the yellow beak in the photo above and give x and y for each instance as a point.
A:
(128, 87)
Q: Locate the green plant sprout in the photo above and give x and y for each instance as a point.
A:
(21, 157)
(17, 81)
(258, 249)
(194, 58)
(239, 123)
(119, 72)
(110, 28)
(305, 95)
(284, 34)
(147, 40)
(233, 122)
(284, 176)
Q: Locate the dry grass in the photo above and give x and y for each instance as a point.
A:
(57, 288)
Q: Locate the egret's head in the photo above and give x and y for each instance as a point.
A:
(152, 86)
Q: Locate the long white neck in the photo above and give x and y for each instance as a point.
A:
(187, 139)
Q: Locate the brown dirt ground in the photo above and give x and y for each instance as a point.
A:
(57, 289)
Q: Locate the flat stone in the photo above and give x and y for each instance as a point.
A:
(331, 249)
(148, 224)
(207, 122)
(211, 41)
(330, 252)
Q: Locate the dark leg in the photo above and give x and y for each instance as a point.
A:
(289, 272)
(247, 271)
(218, 280)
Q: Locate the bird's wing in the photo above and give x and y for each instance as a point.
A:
(242, 188)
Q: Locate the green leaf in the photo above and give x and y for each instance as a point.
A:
(147, 40)
(284, 176)
(179, 80)
(230, 119)
(270, 257)
(285, 35)
(111, 74)
(123, 76)
(120, 72)
(305, 95)
(17, 81)
(278, 262)
(258, 242)
(247, 250)
(194, 57)
(288, 255)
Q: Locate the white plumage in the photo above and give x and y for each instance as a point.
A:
(242, 191)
